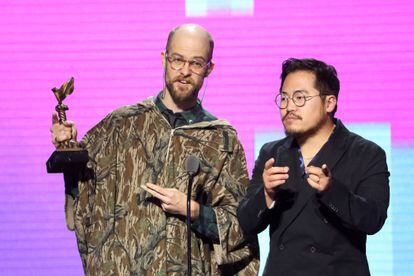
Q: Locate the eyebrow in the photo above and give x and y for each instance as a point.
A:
(298, 90)
(196, 57)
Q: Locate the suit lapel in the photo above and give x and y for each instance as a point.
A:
(329, 154)
(333, 150)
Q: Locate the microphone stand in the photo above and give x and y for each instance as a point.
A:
(190, 184)
(192, 166)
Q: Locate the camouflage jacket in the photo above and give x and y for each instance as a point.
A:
(120, 228)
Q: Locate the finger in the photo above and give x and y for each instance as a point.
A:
(314, 178)
(55, 119)
(155, 194)
(61, 135)
(68, 123)
(269, 163)
(275, 183)
(156, 188)
(313, 184)
(74, 133)
(313, 170)
(54, 140)
(326, 170)
(278, 170)
(279, 176)
(161, 193)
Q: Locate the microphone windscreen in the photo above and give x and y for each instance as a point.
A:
(192, 165)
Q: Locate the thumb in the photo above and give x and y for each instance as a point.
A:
(269, 163)
(68, 123)
(326, 170)
(55, 119)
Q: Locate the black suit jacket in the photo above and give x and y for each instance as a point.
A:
(320, 234)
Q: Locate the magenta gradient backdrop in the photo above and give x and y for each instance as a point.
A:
(112, 48)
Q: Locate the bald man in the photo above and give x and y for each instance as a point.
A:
(130, 205)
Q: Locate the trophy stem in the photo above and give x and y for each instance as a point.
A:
(61, 110)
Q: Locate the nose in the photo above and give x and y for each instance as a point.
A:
(290, 105)
(186, 69)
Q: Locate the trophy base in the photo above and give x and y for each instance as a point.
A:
(63, 160)
(69, 162)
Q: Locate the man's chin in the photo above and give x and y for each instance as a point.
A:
(301, 133)
(293, 132)
(184, 97)
(183, 88)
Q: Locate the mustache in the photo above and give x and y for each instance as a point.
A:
(292, 115)
(183, 79)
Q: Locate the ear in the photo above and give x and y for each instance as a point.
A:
(330, 103)
(164, 60)
(209, 69)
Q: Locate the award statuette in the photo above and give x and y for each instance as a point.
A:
(68, 158)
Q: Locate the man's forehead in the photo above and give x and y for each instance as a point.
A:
(299, 78)
(189, 50)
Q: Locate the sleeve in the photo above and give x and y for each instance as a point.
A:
(79, 175)
(206, 224)
(100, 143)
(365, 209)
(252, 212)
(235, 249)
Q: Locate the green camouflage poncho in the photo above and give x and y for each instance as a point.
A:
(121, 230)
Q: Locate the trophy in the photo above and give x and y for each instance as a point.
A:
(68, 158)
(61, 94)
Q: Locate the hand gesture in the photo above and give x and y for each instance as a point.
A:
(273, 177)
(319, 178)
(172, 200)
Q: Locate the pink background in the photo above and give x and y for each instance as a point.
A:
(112, 48)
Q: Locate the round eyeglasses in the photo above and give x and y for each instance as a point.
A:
(195, 66)
(298, 98)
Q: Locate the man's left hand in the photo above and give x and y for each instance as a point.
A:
(319, 178)
(172, 200)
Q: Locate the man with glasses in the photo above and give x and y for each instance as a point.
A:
(130, 208)
(322, 189)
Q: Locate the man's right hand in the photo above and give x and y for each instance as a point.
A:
(272, 178)
(63, 132)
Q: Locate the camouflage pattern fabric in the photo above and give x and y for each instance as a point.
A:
(121, 229)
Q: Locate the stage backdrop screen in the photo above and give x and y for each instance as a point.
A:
(113, 48)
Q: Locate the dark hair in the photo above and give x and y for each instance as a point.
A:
(326, 79)
(172, 33)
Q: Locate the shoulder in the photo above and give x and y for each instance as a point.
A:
(355, 143)
(117, 119)
(131, 110)
(274, 145)
(360, 145)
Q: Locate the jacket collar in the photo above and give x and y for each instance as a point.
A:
(329, 153)
(149, 103)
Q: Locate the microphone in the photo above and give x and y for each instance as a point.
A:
(192, 166)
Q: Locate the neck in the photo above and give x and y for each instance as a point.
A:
(310, 145)
(176, 106)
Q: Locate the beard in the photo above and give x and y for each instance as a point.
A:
(183, 95)
(305, 132)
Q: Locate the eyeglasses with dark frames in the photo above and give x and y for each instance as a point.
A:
(298, 98)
